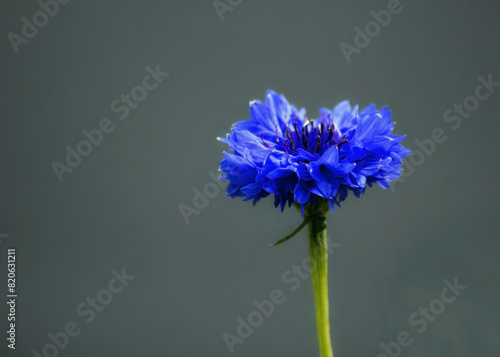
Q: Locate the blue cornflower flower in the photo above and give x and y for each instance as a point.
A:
(280, 152)
(312, 164)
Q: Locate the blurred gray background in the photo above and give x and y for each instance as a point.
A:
(119, 208)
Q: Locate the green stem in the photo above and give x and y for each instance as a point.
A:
(318, 254)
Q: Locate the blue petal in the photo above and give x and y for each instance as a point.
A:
(330, 156)
(279, 110)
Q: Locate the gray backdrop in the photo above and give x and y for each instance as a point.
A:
(187, 283)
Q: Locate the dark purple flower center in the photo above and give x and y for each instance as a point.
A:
(312, 138)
